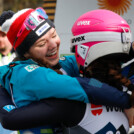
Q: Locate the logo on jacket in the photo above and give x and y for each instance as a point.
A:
(31, 67)
(96, 109)
(110, 129)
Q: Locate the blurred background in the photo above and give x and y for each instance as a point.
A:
(16, 5)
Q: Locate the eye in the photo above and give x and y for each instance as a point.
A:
(54, 35)
(41, 45)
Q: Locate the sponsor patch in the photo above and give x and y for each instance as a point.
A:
(82, 50)
(42, 29)
(96, 109)
(31, 68)
(62, 58)
(8, 108)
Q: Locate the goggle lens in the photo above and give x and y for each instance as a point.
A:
(33, 20)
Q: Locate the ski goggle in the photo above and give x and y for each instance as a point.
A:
(33, 20)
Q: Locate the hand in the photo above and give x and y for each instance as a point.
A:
(130, 115)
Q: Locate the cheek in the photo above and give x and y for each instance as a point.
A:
(4, 40)
(42, 51)
(7, 42)
(39, 52)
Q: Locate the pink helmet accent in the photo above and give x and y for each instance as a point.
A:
(98, 33)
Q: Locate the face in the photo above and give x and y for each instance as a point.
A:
(46, 49)
(4, 43)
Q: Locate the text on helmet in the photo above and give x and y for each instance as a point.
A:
(78, 39)
(83, 23)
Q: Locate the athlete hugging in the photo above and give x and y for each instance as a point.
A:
(100, 47)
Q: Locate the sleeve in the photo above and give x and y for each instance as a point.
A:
(101, 93)
(53, 85)
(55, 112)
(45, 83)
(6, 104)
(58, 111)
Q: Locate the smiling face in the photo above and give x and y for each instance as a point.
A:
(46, 49)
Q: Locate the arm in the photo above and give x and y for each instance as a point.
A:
(62, 86)
(97, 92)
(45, 112)
(46, 83)
(101, 93)
(6, 104)
(64, 110)
(130, 115)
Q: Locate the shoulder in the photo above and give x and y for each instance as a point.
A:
(28, 69)
(67, 59)
(69, 64)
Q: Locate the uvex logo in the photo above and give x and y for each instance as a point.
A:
(78, 39)
(83, 23)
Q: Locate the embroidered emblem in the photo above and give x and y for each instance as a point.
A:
(62, 58)
(8, 108)
(31, 67)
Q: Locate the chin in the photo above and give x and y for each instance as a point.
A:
(53, 63)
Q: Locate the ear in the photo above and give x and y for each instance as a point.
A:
(27, 55)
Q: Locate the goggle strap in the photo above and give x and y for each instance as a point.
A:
(101, 36)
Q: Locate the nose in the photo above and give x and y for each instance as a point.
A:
(52, 44)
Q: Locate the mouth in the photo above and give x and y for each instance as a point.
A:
(52, 54)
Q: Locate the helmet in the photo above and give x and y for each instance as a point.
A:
(98, 33)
